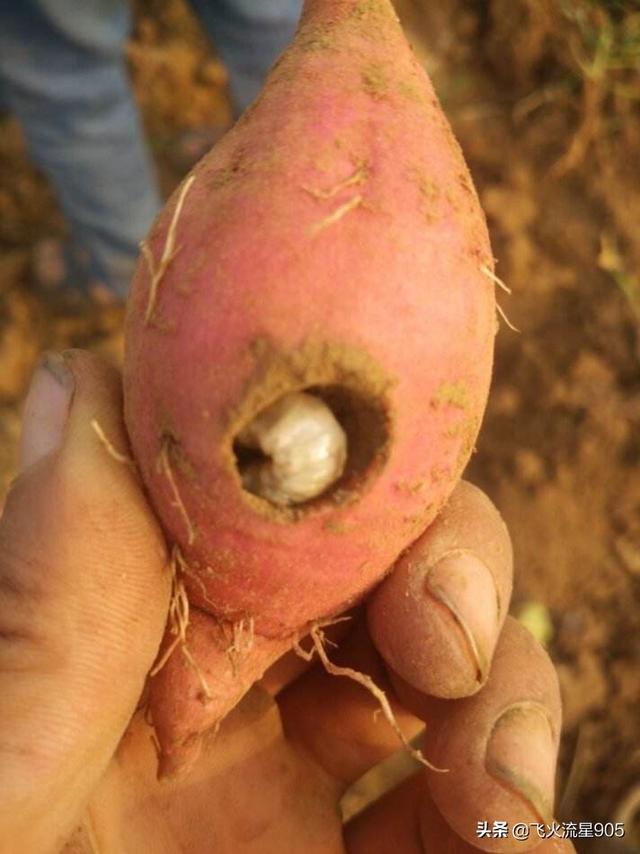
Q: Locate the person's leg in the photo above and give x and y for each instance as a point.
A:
(249, 35)
(63, 73)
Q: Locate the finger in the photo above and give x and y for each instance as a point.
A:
(336, 721)
(406, 820)
(392, 823)
(83, 599)
(437, 617)
(500, 745)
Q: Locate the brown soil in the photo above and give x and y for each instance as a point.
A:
(550, 150)
(546, 110)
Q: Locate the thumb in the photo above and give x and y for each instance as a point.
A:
(83, 600)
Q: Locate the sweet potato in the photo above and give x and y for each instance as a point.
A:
(331, 244)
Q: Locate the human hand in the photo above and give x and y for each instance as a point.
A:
(84, 592)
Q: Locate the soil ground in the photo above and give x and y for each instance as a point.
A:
(544, 97)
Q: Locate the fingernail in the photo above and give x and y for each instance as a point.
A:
(464, 585)
(521, 755)
(46, 409)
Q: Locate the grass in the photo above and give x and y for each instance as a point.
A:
(606, 43)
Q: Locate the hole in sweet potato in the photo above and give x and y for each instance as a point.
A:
(364, 424)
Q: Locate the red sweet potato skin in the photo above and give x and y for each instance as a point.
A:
(332, 237)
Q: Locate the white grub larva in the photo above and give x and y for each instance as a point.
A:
(303, 450)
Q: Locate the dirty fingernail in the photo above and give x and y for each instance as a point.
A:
(521, 754)
(46, 409)
(464, 585)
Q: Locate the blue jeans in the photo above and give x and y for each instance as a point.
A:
(63, 73)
